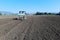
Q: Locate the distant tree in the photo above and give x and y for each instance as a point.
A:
(39, 13)
(45, 13)
(58, 13)
(0, 13)
(49, 13)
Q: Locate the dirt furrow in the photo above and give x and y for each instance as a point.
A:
(8, 22)
(18, 32)
(7, 27)
(30, 34)
(34, 28)
(43, 29)
(4, 21)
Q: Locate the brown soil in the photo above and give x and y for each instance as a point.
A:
(33, 28)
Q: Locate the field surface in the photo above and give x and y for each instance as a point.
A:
(33, 28)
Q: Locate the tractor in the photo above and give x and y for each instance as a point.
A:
(21, 15)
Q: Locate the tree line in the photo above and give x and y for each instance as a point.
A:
(45, 13)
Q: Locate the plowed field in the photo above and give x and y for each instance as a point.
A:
(33, 28)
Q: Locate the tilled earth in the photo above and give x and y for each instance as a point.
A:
(33, 28)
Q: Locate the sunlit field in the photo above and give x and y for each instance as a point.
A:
(35, 27)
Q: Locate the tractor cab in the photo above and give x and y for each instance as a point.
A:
(22, 15)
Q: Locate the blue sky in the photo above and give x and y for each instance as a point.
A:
(30, 5)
